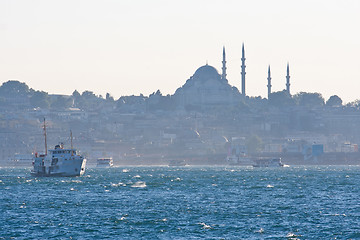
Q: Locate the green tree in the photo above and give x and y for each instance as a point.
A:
(77, 98)
(88, 101)
(309, 99)
(109, 97)
(62, 102)
(14, 88)
(40, 99)
(76, 94)
(334, 101)
(281, 99)
(354, 104)
(88, 95)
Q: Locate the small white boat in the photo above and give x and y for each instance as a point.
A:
(268, 162)
(23, 160)
(177, 163)
(104, 162)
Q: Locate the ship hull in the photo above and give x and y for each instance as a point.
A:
(38, 174)
(69, 168)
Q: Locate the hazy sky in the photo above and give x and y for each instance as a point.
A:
(127, 47)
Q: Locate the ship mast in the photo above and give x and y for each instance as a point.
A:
(45, 138)
(72, 152)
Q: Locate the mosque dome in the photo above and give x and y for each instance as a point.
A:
(207, 88)
(206, 72)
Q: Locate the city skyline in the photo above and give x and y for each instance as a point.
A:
(139, 47)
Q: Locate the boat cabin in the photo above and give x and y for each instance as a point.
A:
(63, 152)
(59, 150)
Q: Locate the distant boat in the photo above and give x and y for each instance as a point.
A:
(239, 159)
(268, 162)
(104, 162)
(177, 163)
(59, 162)
(23, 160)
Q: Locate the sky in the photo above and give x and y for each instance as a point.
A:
(129, 47)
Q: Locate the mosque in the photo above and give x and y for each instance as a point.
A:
(208, 88)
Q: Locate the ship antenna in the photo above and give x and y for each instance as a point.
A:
(72, 152)
(45, 138)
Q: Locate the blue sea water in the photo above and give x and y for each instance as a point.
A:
(303, 202)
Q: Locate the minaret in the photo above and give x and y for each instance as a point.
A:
(243, 71)
(223, 75)
(269, 83)
(288, 80)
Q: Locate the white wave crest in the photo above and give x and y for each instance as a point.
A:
(139, 185)
(205, 226)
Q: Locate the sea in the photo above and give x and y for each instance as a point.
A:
(202, 202)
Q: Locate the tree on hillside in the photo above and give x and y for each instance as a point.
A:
(281, 99)
(76, 94)
(87, 100)
(353, 104)
(109, 97)
(14, 88)
(257, 104)
(89, 95)
(62, 102)
(309, 99)
(40, 99)
(334, 101)
(77, 98)
(156, 101)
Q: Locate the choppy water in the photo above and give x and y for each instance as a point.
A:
(183, 203)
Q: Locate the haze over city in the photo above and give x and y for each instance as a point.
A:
(133, 47)
(158, 119)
